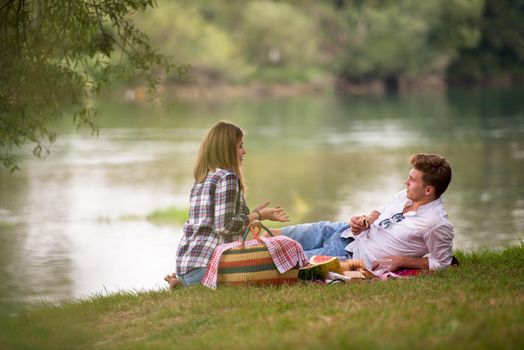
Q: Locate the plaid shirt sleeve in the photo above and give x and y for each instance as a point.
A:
(229, 220)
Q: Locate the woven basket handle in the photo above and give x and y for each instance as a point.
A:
(255, 231)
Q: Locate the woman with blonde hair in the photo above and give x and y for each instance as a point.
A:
(218, 212)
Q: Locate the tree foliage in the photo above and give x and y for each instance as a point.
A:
(405, 37)
(293, 40)
(501, 48)
(277, 34)
(185, 28)
(55, 55)
(237, 41)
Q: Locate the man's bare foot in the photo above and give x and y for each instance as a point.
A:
(172, 280)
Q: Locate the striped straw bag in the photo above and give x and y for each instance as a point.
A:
(252, 265)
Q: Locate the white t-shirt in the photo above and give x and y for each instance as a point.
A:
(426, 231)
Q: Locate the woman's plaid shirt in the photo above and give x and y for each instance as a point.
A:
(217, 214)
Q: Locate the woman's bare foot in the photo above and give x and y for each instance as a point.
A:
(172, 280)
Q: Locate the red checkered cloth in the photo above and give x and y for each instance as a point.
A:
(404, 273)
(285, 253)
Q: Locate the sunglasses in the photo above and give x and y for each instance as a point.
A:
(398, 217)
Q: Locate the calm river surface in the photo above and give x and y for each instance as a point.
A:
(75, 224)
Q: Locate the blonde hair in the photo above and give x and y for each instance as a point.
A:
(219, 150)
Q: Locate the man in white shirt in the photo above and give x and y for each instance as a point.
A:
(412, 231)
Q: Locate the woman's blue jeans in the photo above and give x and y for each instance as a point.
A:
(192, 277)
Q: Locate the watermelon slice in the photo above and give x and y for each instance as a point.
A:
(319, 267)
(320, 259)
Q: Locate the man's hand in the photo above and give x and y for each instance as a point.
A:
(359, 224)
(394, 262)
(388, 264)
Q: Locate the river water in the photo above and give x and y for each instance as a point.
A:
(75, 224)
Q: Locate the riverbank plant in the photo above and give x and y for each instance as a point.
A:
(171, 215)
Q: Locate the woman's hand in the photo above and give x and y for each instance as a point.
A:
(261, 206)
(274, 214)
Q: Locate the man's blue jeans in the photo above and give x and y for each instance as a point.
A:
(321, 238)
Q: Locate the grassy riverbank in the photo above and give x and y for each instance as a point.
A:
(477, 305)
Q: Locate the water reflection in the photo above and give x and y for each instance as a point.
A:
(63, 231)
(35, 247)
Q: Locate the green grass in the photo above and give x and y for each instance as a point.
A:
(479, 305)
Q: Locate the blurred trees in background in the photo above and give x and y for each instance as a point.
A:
(183, 29)
(392, 39)
(500, 51)
(278, 39)
(350, 40)
(58, 53)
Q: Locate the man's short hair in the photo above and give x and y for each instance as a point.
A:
(436, 171)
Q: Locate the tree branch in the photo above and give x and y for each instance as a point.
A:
(8, 3)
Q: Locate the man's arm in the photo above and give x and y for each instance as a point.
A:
(439, 242)
(440, 246)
